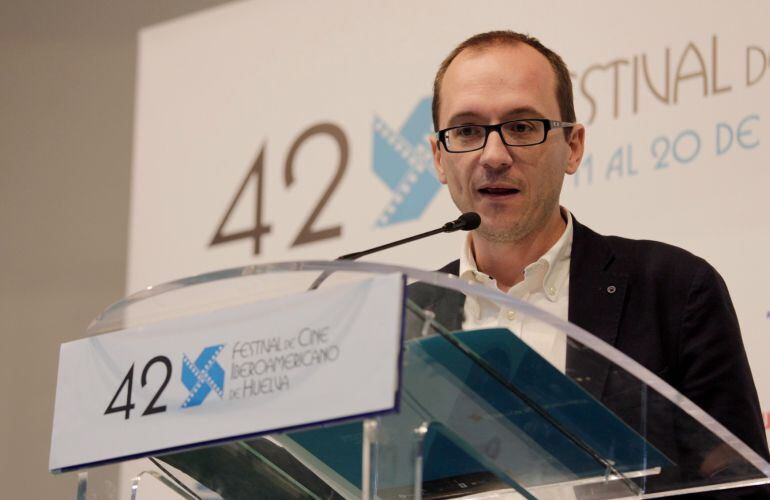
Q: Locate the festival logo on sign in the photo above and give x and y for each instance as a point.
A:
(203, 376)
(403, 160)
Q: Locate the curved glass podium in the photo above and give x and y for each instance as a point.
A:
(530, 406)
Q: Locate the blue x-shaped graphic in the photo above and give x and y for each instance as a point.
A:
(403, 160)
(203, 376)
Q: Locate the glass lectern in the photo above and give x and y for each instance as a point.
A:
(481, 412)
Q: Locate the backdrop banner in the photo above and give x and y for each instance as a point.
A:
(270, 131)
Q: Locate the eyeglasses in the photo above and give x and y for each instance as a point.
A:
(529, 132)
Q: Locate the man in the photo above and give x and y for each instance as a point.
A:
(506, 136)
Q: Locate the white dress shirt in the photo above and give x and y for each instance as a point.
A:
(545, 285)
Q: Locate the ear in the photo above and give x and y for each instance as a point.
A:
(576, 146)
(436, 149)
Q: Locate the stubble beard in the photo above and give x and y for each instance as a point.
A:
(530, 222)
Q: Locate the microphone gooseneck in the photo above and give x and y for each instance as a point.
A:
(466, 222)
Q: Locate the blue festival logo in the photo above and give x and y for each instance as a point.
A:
(403, 160)
(203, 376)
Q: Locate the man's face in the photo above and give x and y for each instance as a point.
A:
(515, 190)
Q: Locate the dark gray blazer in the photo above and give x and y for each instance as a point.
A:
(664, 307)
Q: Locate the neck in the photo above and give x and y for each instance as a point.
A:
(506, 260)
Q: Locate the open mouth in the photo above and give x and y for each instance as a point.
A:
(498, 191)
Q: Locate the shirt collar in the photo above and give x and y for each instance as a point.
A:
(555, 262)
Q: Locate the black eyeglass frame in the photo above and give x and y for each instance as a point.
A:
(547, 126)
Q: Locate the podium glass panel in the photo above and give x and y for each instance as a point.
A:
(537, 408)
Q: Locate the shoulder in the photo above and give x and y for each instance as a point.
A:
(653, 253)
(639, 257)
(657, 274)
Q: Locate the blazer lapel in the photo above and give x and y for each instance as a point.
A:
(596, 297)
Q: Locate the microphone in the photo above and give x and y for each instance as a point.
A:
(466, 222)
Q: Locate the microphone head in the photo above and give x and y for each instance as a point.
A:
(469, 221)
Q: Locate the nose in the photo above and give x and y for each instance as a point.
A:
(496, 155)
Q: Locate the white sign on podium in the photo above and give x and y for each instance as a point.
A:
(276, 364)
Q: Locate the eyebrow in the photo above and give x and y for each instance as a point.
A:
(514, 114)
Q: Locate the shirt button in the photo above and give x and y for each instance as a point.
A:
(551, 290)
(511, 315)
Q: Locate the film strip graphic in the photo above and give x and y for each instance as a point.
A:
(203, 376)
(404, 162)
